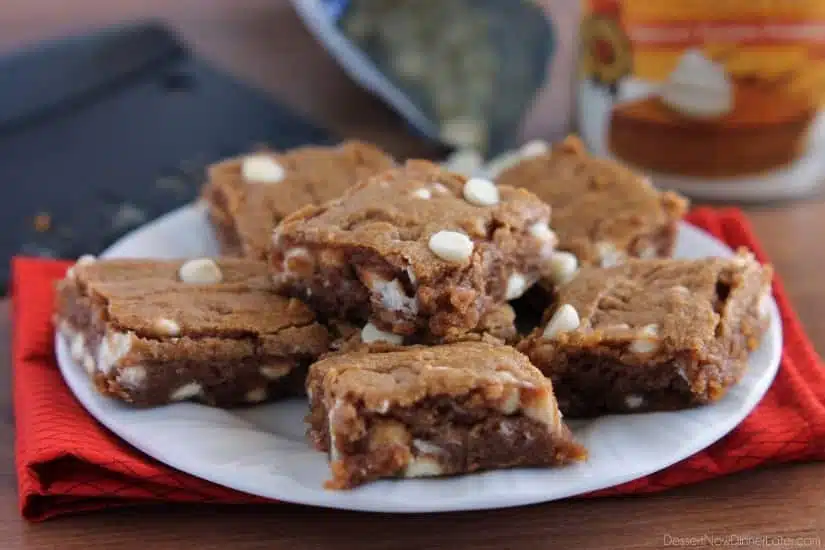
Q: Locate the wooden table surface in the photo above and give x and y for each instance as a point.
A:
(263, 42)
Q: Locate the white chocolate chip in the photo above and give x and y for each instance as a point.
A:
(505, 376)
(77, 349)
(451, 246)
(534, 148)
(89, 364)
(511, 402)
(167, 327)
(440, 188)
(647, 340)
(333, 448)
(187, 391)
(393, 296)
(563, 267)
(410, 274)
(480, 192)
(332, 420)
(274, 372)
(113, 347)
(83, 260)
(370, 333)
(565, 319)
(765, 305)
(542, 231)
(423, 467)
(132, 377)
(633, 401)
(422, 193)
(383, 407)
(543, 408)
(202, 271)
(256, 395)
(262, 169)
(426, 448)
(516, 286)
(608, 254)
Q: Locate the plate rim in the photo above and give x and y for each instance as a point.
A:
(729, 423)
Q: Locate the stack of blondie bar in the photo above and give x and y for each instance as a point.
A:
(384, 293)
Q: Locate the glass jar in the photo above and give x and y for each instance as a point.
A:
(719, 99)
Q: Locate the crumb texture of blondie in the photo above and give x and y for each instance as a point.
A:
(498, 326)
(603, 212)
(249, 195)
(409, 252)
(434, 411)
(652, 334)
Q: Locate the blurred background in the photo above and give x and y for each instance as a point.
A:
(109, 111)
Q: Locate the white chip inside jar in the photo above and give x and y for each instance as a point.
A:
(200, 271)
(464, 161)
(534, 148)
(565, 319)
(481, 192)
(464, 132)
(451, 246)
(261, 168)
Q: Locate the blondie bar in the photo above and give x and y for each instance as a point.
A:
(248, 196)
(603, 212)
(652, 334)
(415, 249)
(152, 332)
(434, 411)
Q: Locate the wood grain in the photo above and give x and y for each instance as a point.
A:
(263, 42)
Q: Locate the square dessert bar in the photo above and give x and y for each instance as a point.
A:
(603, 212)
(248, 196)
(415, 249)
(652, 334)
(152, 332)
(434, 411)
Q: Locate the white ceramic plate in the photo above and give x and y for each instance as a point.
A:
(262, 450)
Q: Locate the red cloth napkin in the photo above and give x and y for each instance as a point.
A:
(67, 462)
